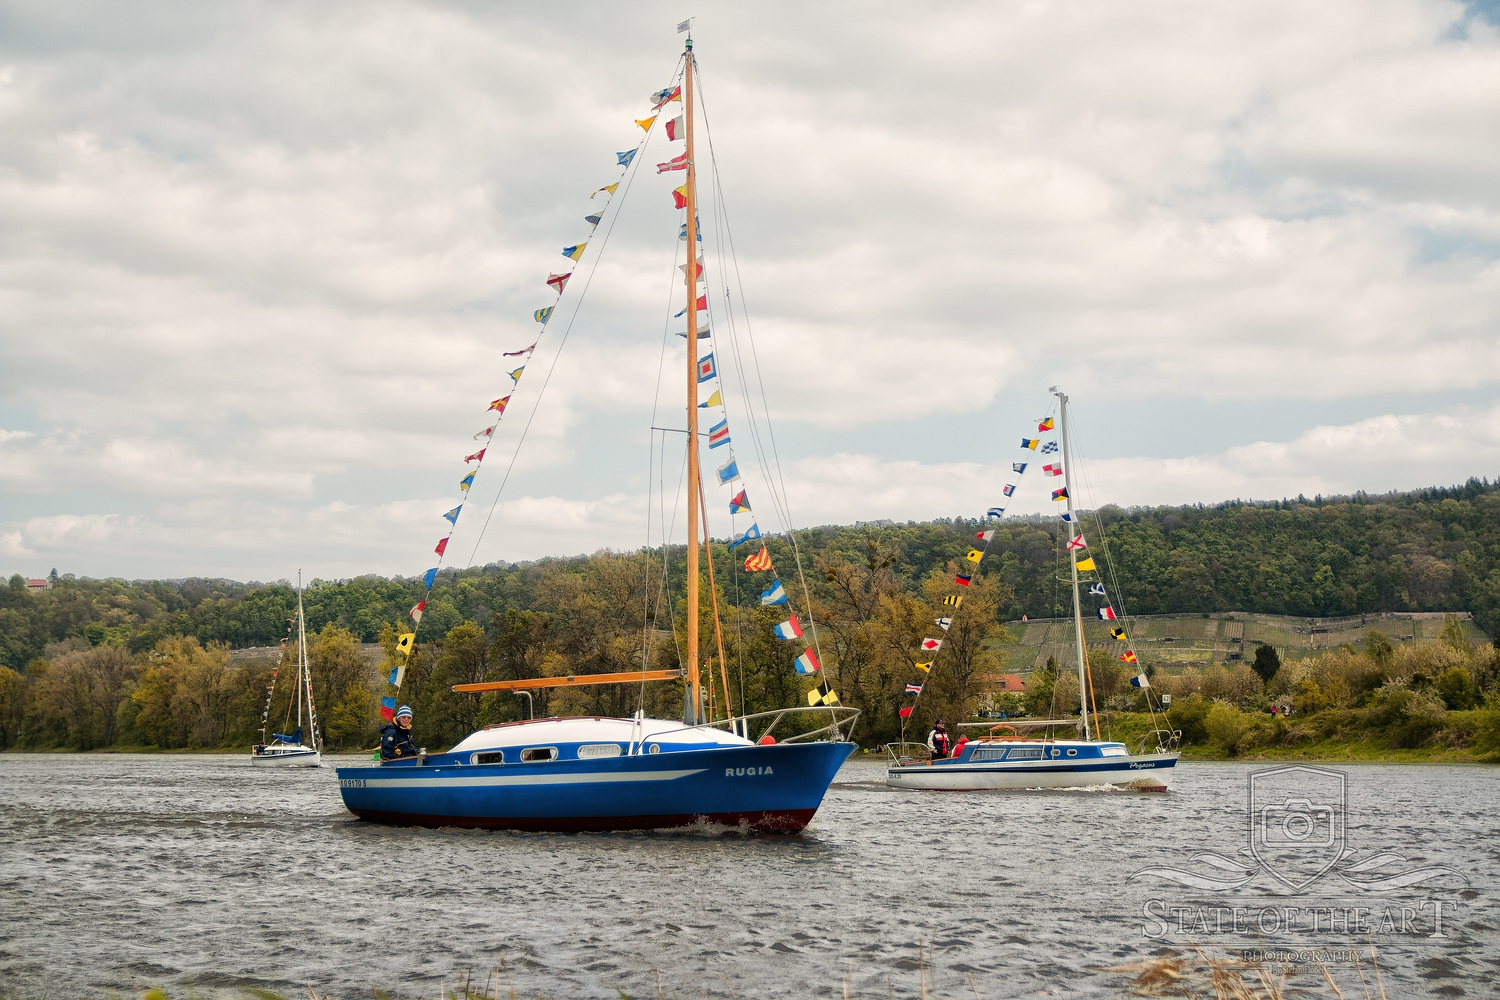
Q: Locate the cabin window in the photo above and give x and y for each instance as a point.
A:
(1056, 752)
(1072, 753)
(488, 757)
(653, 748)
(988, 753)
(1114, 752)
(591, 750)
(533, 755)
(1024, 753)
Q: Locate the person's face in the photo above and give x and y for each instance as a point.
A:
(404, 722)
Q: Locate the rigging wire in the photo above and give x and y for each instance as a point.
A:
(631, 173)
(1110, 571)
(780, 502)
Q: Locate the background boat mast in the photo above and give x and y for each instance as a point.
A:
(691, 708)
(1073, 532)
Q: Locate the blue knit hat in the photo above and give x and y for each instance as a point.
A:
(404, 710)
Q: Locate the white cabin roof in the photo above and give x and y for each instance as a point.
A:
(595, 729)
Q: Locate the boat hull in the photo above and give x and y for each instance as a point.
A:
(305, 757)
(1144, 772)
(774, 788)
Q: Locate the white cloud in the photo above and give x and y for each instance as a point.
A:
(258, 263)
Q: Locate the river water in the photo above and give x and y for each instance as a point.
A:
(197, 873)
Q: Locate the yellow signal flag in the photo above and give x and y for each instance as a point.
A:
(717, 399)
(831, 698)
(814, 697)
(954, 599)
(645, 123)
(974, 555)
(608, 187)
(403, 644)
(1086, 565)
(926, 667)
(1117, 634)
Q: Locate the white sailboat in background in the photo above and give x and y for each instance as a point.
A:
(287, 749)
(1002, 759)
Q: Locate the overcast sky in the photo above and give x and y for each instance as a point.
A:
(259, 264)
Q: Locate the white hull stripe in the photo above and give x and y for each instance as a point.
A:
(501, 780)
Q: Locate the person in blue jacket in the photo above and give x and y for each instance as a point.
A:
(395, 739)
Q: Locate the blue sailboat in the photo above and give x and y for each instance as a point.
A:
(764, 772)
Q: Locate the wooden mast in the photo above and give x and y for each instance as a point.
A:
(691, 709)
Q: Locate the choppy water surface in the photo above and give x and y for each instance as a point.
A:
(120, 872)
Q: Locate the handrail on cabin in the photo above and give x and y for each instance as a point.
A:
(571, 680)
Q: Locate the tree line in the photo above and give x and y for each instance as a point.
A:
(95, 663)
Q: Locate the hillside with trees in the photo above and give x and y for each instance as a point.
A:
(99, 663)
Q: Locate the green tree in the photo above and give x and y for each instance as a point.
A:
(1267, 663)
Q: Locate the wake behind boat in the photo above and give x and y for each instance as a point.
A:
(767, 771)
(1004, 757)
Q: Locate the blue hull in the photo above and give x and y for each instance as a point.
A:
(775, 788)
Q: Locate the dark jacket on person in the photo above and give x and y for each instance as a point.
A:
(395, 743)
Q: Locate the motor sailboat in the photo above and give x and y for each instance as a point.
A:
(765, 771)
(1024, 753)
(288, 749)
